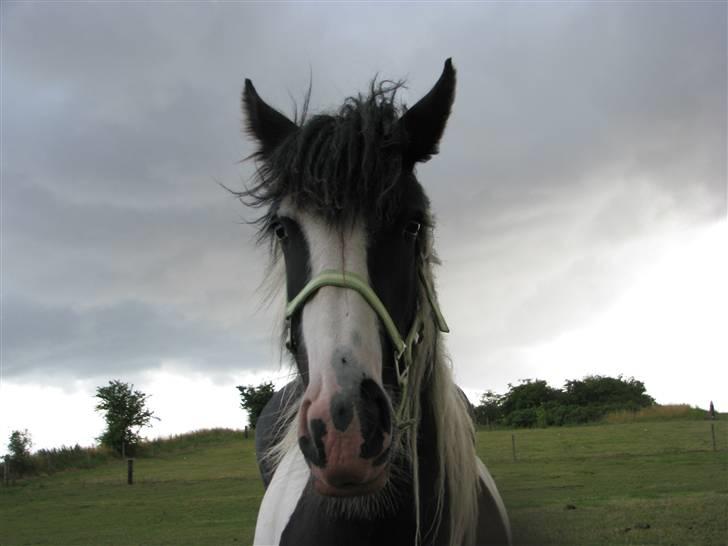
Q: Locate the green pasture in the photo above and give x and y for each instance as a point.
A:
(635, 483)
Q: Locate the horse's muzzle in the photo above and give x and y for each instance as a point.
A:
(346, 438)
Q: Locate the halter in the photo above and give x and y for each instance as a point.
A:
(402, 346)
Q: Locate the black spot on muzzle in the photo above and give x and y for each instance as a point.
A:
(342, 411)
(313, 448)
(375, 418)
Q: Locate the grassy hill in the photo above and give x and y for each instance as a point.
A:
(634, 483)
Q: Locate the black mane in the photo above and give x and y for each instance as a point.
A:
(340, 165)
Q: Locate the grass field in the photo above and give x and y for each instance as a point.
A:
(635, 483)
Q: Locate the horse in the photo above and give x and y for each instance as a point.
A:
(372, 443)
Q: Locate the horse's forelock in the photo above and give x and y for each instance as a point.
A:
(338, 165)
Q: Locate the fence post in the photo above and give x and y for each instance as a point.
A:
(513, 444)
(130, 471)
(712, 434)
(246, 432)
(6, 472)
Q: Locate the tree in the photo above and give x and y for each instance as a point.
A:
(608, 391)
(529, 395)
(254, 399)
(18, 456)
(126, 415)
(534, 403)
(489, 411)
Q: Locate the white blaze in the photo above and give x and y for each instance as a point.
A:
(333, 319)
(337, 318)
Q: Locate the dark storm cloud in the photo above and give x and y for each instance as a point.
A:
(594, 93)
(127, 337)
(590, 128)
(577, 129)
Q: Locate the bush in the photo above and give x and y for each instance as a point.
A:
(528, 395)
(188, 441)
(601, 391)
(655, 413)
(535, 403)
(523, 418)
(70, 457)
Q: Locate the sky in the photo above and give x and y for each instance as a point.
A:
(580, 194)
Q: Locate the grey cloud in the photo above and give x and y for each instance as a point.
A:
(69, 253)
(123, 338)
(549, 268)
(577, 128)
(633, 88)
(169, 157)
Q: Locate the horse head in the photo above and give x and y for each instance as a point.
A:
(344, 209)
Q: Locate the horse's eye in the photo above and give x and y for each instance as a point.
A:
(280, 231)
(412, 228)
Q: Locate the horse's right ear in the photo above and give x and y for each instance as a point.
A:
(268, 126)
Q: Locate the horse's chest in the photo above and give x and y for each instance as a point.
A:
(309, 526)
(306, 530)
(289, 515)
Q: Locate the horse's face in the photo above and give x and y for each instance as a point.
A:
(345, 359)
(346, 422)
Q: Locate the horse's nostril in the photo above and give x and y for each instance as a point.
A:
(310, 435)
(375, 400)
(375, 416)
(312, 446)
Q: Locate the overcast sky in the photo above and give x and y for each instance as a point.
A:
(580, 194)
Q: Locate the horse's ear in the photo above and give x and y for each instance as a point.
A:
(268, 126)
(425, 122)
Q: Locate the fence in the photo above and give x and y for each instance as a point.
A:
(640, 438)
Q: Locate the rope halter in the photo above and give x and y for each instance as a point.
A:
(402, 346)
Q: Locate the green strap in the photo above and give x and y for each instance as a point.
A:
(441, 324)
(346, 279)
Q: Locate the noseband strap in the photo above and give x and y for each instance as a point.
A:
(347, 279)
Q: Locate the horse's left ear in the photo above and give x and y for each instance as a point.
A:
(267, 125)
(425, 122)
